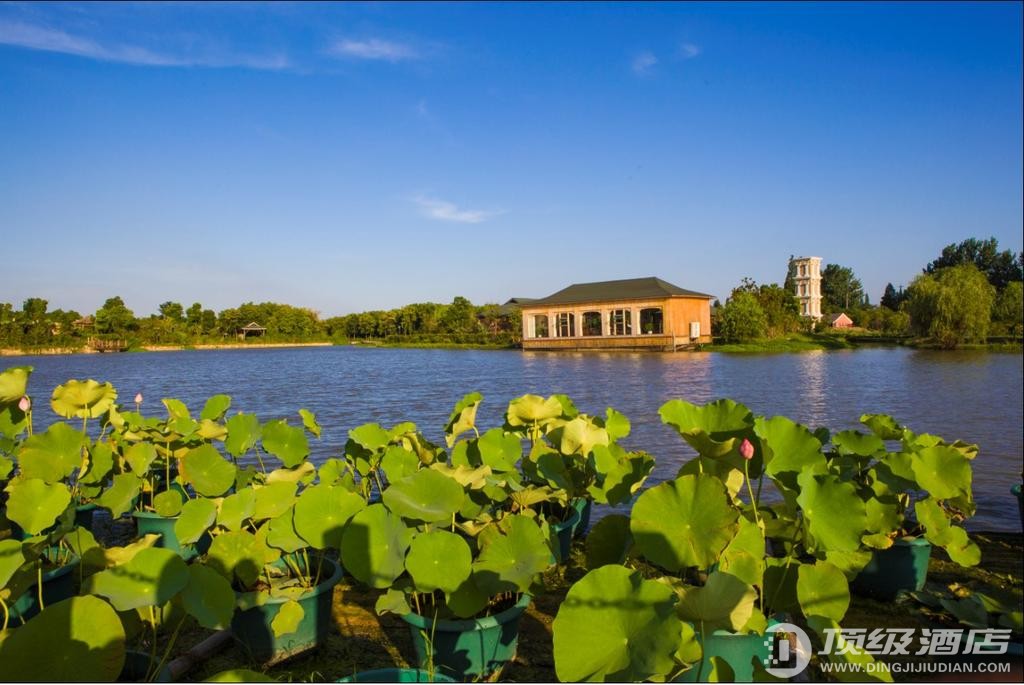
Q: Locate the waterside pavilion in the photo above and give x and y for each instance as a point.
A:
(637, 313)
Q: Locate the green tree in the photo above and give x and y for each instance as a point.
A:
(114, 317)
(999, 268)
(790, 283)
(951, 306)
(781, 309)
(840, 289)
(890, 298)
(1008, 311)
(741, 318)
(172, 311)
(459, 317)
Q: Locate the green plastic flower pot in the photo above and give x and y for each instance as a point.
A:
(563, 532)
(1020, 502)
(148, 522)
(736, 650)
(583, 506)
(252, 627)
(904, 566)
(396, 675)
(138, 666)
(58, 584)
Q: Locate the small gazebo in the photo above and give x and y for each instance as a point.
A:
(251, 329)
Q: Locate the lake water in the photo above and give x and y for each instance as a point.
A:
(975, 396)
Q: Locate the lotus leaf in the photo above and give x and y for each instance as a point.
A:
(579, 436)
(237, 554)
(243, 432)
(236, 508)
(426, 495)
(13, 421)
(945, 472)
(273, 499)
(620, 473)
(197, 515)
(208, 472)
(309, 422)
(531, 410)
(439, 560)
(373, 546)
(80, 639)
(149, 579)
(843, 652)
(168, 503)
(569, 410)
(288, 618)
(744, 555)
(287, 443)
(394, 601)
(101, 463)
(552, 468)
(939, 531)
(835, 514)
(685, 522)
(723, 603)
(240, 675)
(822, 590)
(208, 597)
(463, 417)
(53, 455)
(616, 424)
(512, 553)
(35, 505)
(858, 444)
(370, 436)
(614, 626)
(303, 473)
(211, 430)
(321, 513)
(883, 426)
(121, 495)
(13, 383)
(788, 447)
(176, 409)
(609, 541)
(331, 471)
(11, 558)
(215, 408)
(83, 399)
(6, 466)
(281, 533)
(468, 600)
(711, 429)
(398, 462)
(780, 576)
(499, 450)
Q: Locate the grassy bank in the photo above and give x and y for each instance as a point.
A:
(791, 343)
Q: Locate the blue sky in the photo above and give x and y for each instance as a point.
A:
(351, 157)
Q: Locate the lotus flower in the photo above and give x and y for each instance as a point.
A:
(746, 450)
(24, 404)
(138, 398)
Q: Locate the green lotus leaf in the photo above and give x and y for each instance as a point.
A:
(552, 468)
(614, 626)
(207, 471)
(883, 425)
(13, 421)
(35, 505)
(309, 422)
(150, 579)
(211, 430)
(98, 558)
(468, 600)
(939, 531)
(80, 639)
(243, 432)
(237, 554)
(439, 560)
(499, 450)
(208, 598)
(121, 495)
(711, 429)
(370, 436)
(13, 383)
(83, 399)
(512, 554)
(616, 424)
(11, 558)
(331, 471)
(101, 463)
(724, 602)
(858, 444)
(236, 508)
(579, 436)
(822, 590)
(463, 417)
(215, 408)
(281, 533)
(176, 409)
(6, 467)
(287, 443)
(288, 618)
(744, 555)
(685, 522)
(608, 541)
(852, 664)
(619, 473)
(788, 447)
(530, 410)
(321, 513)
(273, 499)
(426, 495)
(240, 675)
(52, 455)
(835, 514)
(373, 546)
(394, 601)
(398, 462)
(197, 515)
(168, 503)
(945, 472)
(850, 563)
(304, 473)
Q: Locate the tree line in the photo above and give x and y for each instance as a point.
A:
(973, 290)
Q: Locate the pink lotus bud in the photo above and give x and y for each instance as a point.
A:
(24, 404)
(138, 398)
(746, 450)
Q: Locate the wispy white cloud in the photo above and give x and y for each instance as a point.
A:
(644, 62)
(44, 38)
(442, 210)
(374, 49)
(689, 50)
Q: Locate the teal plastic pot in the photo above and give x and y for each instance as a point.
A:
(58, 584)
(468, 649)
(139, 665)
(148, 522)
(583, 506)
(396, 675)
(904, 566)
(1020, 502)
(738, 650)
(251, 627)
(563, 533)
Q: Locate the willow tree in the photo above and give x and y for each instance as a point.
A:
(952, 306)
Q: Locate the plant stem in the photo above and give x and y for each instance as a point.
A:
(7, 614)
(167, 652)
(39, 586)
(750, 491)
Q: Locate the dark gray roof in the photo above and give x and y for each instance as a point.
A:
(628, 289)
(836, 317)
(520, 300)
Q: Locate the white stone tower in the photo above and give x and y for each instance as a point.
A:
(807, 280)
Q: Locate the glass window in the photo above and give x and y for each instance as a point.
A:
(620, 322)
(651, 321)
(540, 326)
(565, 325)
(591, 323)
